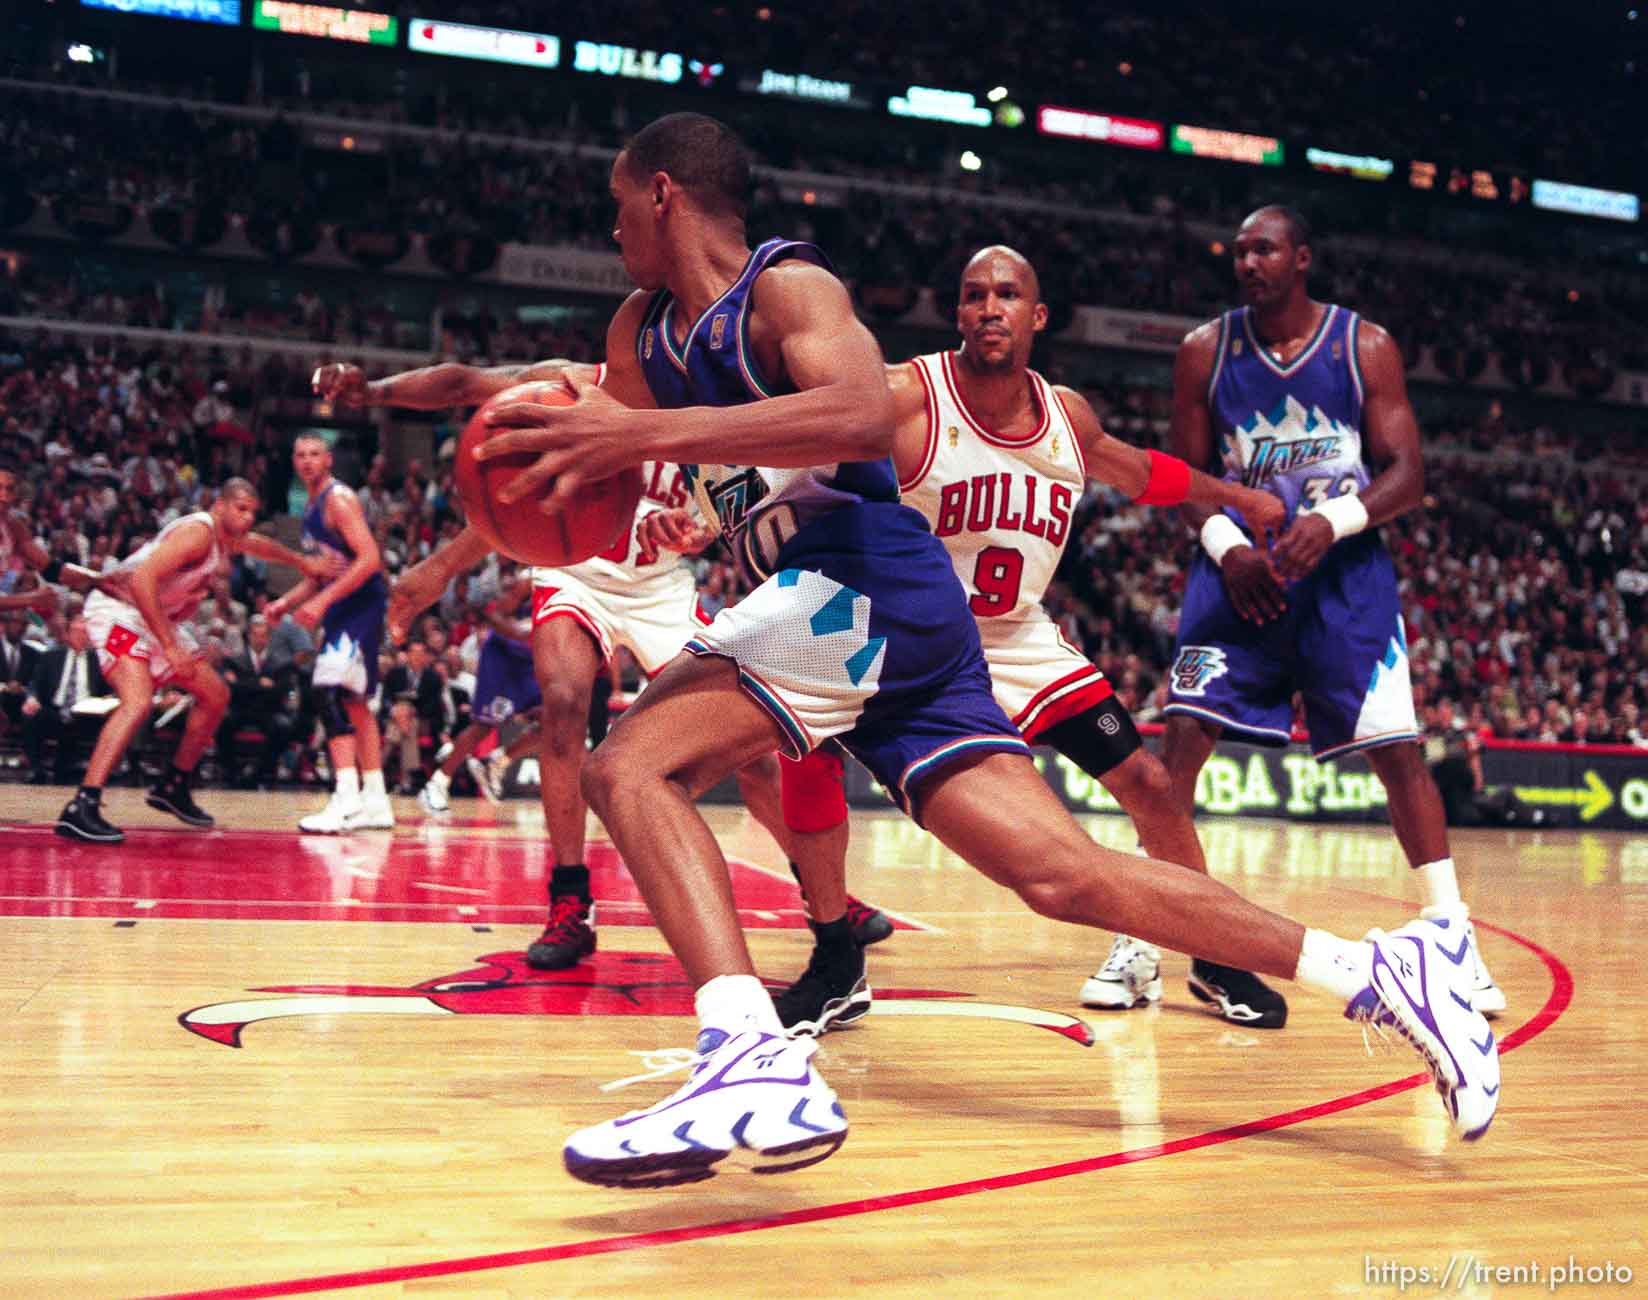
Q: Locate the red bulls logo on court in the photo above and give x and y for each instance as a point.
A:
(610, 984)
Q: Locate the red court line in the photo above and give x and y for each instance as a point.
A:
(1562, 992)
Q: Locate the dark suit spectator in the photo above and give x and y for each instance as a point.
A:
(262, 700)
(64, 676)
(415, 710)
(17, 662)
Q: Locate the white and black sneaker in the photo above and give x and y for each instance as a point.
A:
(1237, 996)
(832, 992)
(1130, 977)
(82, 819)
(172, 796)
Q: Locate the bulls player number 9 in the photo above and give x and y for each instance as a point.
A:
(997, 576)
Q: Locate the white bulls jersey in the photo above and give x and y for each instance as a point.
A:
(180, 592)
(1001, 506)
(628, 596)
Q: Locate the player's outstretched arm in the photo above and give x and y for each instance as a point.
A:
(41, 599)
(1157, 480)
(263, 547)
(431, 388)
(1390, 437)
(421, 585)
(25, 543)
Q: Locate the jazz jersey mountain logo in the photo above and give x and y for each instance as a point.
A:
(1287, 439)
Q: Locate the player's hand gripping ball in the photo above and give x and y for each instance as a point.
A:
(601, 513)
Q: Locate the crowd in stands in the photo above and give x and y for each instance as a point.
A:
(1538, 317)
(1477, 80)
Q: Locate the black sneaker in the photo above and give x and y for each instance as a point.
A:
(174, 797)
(1237, 996)
(569, 936)
(870, 924)
(83, 820)
(832, 992)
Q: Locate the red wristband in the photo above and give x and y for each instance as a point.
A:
(1169, 482)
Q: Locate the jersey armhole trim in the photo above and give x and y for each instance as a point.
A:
(1070, 425)
(1353, 339)
(929, 451)
(1219, 357)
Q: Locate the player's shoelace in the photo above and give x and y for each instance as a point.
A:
(659, 1063)
(858, 911)
(1376, 1020)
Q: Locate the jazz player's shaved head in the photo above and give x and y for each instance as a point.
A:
(980, 262)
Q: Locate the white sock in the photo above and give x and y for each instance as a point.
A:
(348, 784)
(734, 1003)
(1329, 964)
(440, 780)
(1440, 884)
(372, 785)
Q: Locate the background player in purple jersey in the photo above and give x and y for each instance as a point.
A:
(861, 632)
(348, 608)
(1302, 397)
(505, 687)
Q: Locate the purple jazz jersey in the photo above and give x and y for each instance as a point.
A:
(1296, 430)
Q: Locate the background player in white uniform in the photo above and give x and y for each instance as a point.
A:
(996, 459)
(134, 618)
(629, 596)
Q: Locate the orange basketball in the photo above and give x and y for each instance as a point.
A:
(591, 522)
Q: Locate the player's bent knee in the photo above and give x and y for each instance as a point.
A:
(814, 791)
(565, 705)
(1069, 882)
(600, 778)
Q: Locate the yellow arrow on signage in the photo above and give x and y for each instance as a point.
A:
(1594, 799)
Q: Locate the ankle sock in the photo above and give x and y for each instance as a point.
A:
(570, 880)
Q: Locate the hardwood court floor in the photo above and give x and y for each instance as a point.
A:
(391, 1122)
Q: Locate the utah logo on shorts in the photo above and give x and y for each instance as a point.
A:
(1196, 666)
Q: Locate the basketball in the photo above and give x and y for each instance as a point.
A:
(591, 522)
